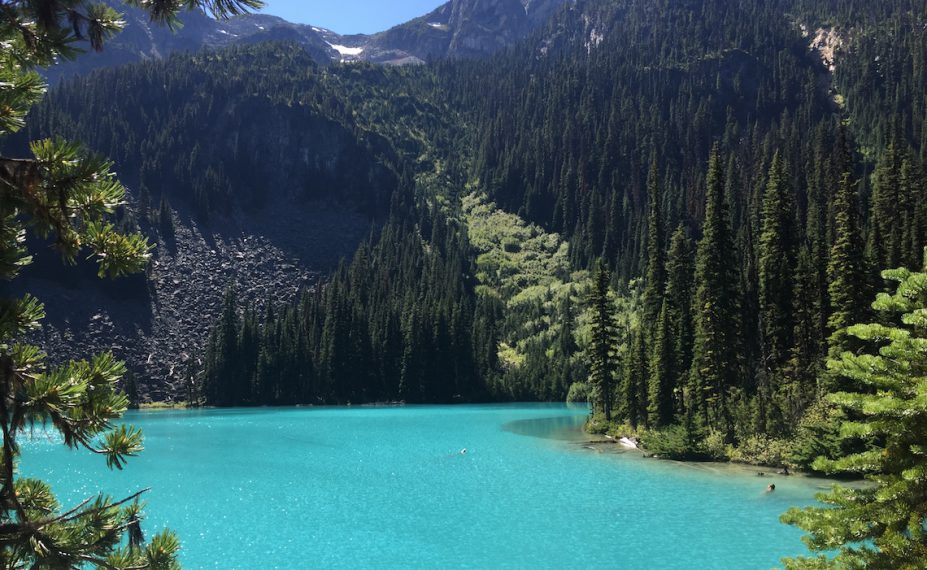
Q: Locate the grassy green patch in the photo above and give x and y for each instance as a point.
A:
(164, 406)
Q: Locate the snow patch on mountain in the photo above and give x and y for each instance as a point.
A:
(347, 51)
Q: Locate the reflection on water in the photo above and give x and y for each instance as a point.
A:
(563, 428)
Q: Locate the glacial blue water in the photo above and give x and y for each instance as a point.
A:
(388, 488)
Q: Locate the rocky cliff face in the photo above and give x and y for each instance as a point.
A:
(462, 28)
(484, 27)
(159, 322)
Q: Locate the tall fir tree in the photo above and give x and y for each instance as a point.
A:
(800, 374)
(662, 382)
(846, 268)
(775, 271)
(601, 354)
(634, 382)
(822, 185)
(776, 263)
(716, 371)
(679, 272)
(656, 264)
(913, 199)
(224, 384)
(889, 205)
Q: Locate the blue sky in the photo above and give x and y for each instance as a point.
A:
(350, 16)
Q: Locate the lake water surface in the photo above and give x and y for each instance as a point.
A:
(388, 488)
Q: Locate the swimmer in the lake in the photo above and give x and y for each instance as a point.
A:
(771, 488)
(463, 451)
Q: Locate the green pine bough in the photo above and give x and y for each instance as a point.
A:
(880, 525)
(66, 195)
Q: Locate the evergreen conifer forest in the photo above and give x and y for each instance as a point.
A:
(743, 197)
(707, 218)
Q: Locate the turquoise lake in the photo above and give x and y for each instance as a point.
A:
(369, 487)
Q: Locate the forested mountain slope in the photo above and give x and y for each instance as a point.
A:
(253, 165)
(600, 128)
(750, 164)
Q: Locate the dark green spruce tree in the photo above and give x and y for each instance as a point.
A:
(846, 268)
(678, 298)
(662, 382)
(656, 264)
(775, 269)
(716, 365)
(914, 215)
(601, 353)
(889, 204)
(799, 388)
(776, 262)
(224, 384)
(634, 383)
